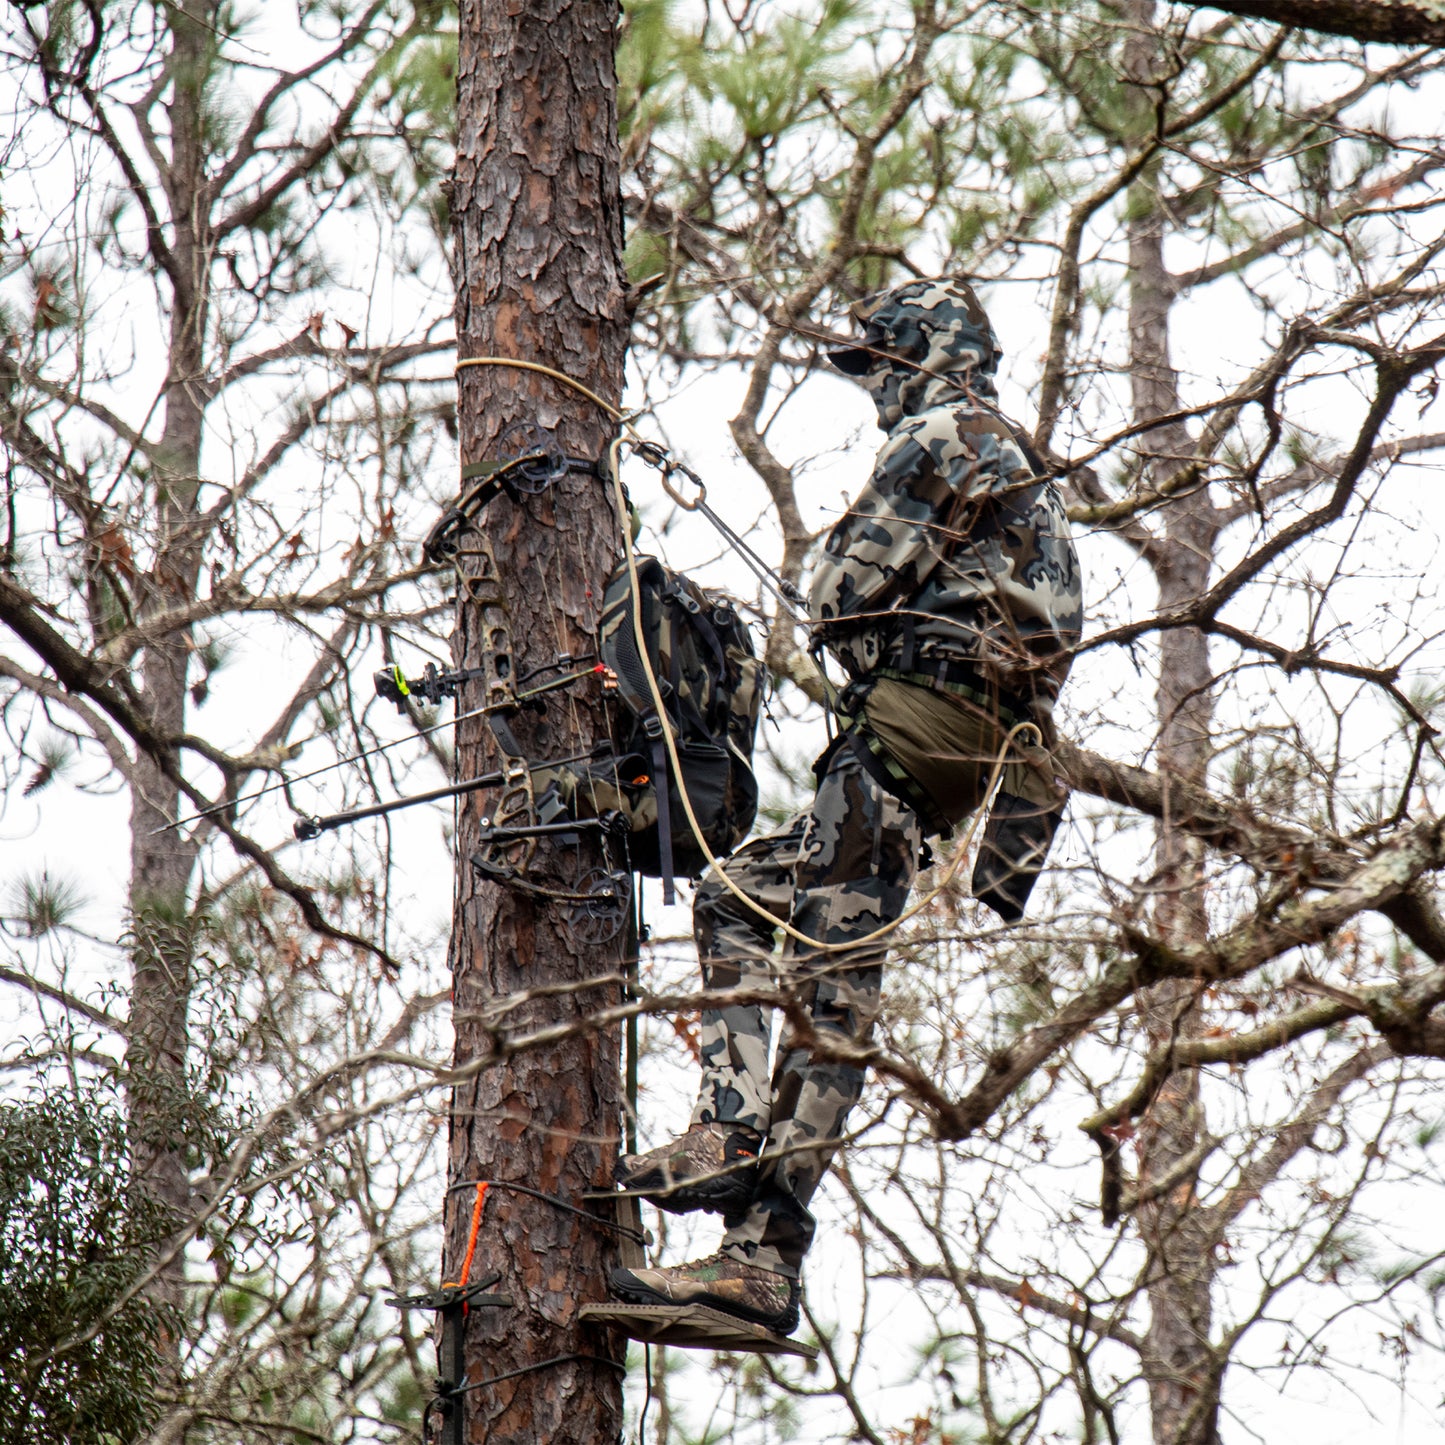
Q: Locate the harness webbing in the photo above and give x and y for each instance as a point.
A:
(1009, 710)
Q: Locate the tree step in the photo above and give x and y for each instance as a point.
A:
(695, 1327)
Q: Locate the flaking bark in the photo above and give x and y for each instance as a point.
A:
(537, 224)
(1176, 1355)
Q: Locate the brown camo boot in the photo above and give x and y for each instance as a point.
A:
(711, 1167)
(722, 1283)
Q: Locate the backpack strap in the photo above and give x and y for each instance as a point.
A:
(653, 726)
(701, 625)
(630, 672)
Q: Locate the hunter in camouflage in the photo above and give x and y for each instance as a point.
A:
(958, 549)
(950, 593)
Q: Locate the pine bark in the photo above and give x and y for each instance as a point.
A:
(160, 1111)
(537, 227)
(1178, 1363)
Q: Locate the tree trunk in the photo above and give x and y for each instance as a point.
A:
(1177, 1360)
(162, 931)
(537, 219)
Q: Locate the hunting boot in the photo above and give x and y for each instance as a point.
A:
(720, 1282)
(712, 1167)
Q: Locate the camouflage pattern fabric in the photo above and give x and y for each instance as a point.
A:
(957, 549)
(956, 554)
(702, 655)
(837, 871)
(946, 746)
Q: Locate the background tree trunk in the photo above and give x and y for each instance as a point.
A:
(1179, 1271)
(163, 863)
(538, 233)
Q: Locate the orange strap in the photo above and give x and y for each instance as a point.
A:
(472, 1237)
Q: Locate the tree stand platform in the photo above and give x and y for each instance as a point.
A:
(694, 1327)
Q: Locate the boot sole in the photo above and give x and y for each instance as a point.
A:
(626, 1286)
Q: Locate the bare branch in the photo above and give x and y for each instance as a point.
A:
(1389, 22)
(244, 147)
(246, 213)
(67, 1000)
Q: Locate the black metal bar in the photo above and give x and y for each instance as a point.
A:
(451, 1371)
(452, 1294)
(308, 828)
(451, 1302)
(507, 833)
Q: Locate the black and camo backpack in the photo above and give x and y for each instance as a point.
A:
(711, 685)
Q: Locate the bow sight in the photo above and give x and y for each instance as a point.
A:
(432, 686)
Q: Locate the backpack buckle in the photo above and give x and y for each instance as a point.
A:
(676, 592)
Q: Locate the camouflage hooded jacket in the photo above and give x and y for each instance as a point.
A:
(956, 550)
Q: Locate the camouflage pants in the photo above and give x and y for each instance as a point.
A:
(837, 871)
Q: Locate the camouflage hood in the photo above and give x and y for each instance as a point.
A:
(924, 344)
